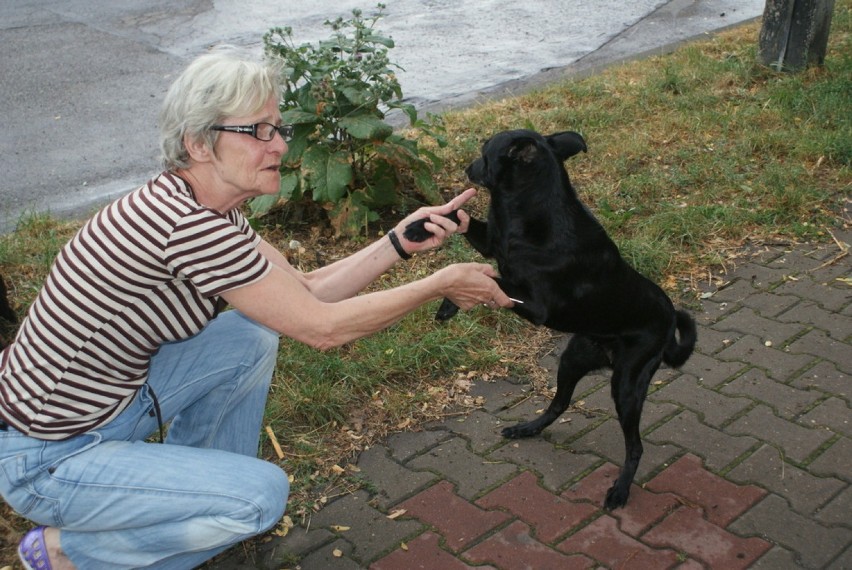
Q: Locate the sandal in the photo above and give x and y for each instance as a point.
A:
(32, 550)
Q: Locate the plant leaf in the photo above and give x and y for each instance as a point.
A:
(289, 185)
(329, 173)
(351, 215)
(298, 117)
(366, 127)
(261, 205)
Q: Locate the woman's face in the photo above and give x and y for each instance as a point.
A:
(248, 167)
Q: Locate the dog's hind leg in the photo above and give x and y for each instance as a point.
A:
(581, 356)
(630, 380)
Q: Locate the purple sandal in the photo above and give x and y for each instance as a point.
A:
(32, 550)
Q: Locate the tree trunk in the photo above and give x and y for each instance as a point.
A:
(794, 34)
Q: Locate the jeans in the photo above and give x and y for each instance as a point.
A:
(122, 502)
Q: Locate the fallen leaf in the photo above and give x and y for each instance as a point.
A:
(404, 546)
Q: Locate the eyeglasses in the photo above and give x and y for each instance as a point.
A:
(260, 131)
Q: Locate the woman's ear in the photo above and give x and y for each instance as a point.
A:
(197, 148)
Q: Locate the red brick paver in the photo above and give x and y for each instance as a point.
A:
(686, 530)
(423, 553)
(721, 500)
(514, 548)
(551, 515)
(457, 520)
(603, 541)
(642, 509)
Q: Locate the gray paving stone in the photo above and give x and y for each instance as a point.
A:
(797, 442)
(747, 321)
(777, 558)
(842, 562)
(393, 481)
(735, 291)
(818, 343)
(805, 492)
(556, 466)
(711, 370)
(779, 363)
(761, 276)
(786, 401)
(403, 446)
(471, 473)
(370, 532)
(525, 410)
(770, 305)
(498, 394)
(715, 447)
(836, 325)
(711, 341)
(825, 377)
(712, 311)
(837, 511)
(835, 461)
(336, 555)
(713, 408)
(481, 429)
(833, 413)
(828, 297)
(299, 541)
(796, 261)
(813, 544)
(607, 441)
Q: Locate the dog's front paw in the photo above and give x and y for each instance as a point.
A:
(446, 311)
(518, 431)
(416, 230)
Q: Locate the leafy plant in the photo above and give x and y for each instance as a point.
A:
(344, 154)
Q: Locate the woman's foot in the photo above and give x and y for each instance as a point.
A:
(40, 550)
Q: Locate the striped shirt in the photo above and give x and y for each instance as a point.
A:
(147, 269)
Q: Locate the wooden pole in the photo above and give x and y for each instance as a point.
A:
(794, 34)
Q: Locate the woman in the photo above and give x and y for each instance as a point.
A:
(127, 334)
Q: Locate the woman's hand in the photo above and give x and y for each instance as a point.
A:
(439, 226)
(471, 284)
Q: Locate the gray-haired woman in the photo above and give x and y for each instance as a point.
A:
(128, 333)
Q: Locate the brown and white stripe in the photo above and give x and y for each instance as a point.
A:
(145, 270)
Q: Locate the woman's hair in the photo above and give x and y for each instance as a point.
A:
(225, 82)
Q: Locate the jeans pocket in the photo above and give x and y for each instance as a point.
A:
(13, 482)
(18, 492)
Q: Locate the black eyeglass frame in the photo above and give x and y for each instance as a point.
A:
(286, 131)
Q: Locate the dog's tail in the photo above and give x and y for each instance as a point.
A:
(678, 351)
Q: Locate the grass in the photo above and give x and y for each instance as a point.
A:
(692, 156)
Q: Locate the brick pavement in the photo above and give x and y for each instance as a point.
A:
(748, 459)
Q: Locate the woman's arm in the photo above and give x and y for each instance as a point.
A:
(349, 276)
(282, 303)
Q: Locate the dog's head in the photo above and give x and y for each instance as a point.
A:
(522, 152)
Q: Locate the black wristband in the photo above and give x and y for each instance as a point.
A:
(398, 246)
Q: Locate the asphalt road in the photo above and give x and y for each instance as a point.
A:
(82, 80)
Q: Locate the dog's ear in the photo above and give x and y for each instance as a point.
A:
(566, 144)
(523, 149)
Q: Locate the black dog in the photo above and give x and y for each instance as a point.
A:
(555, 257)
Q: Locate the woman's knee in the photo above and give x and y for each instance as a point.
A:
(271, 493)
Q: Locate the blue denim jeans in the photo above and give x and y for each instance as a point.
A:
(122, 502)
